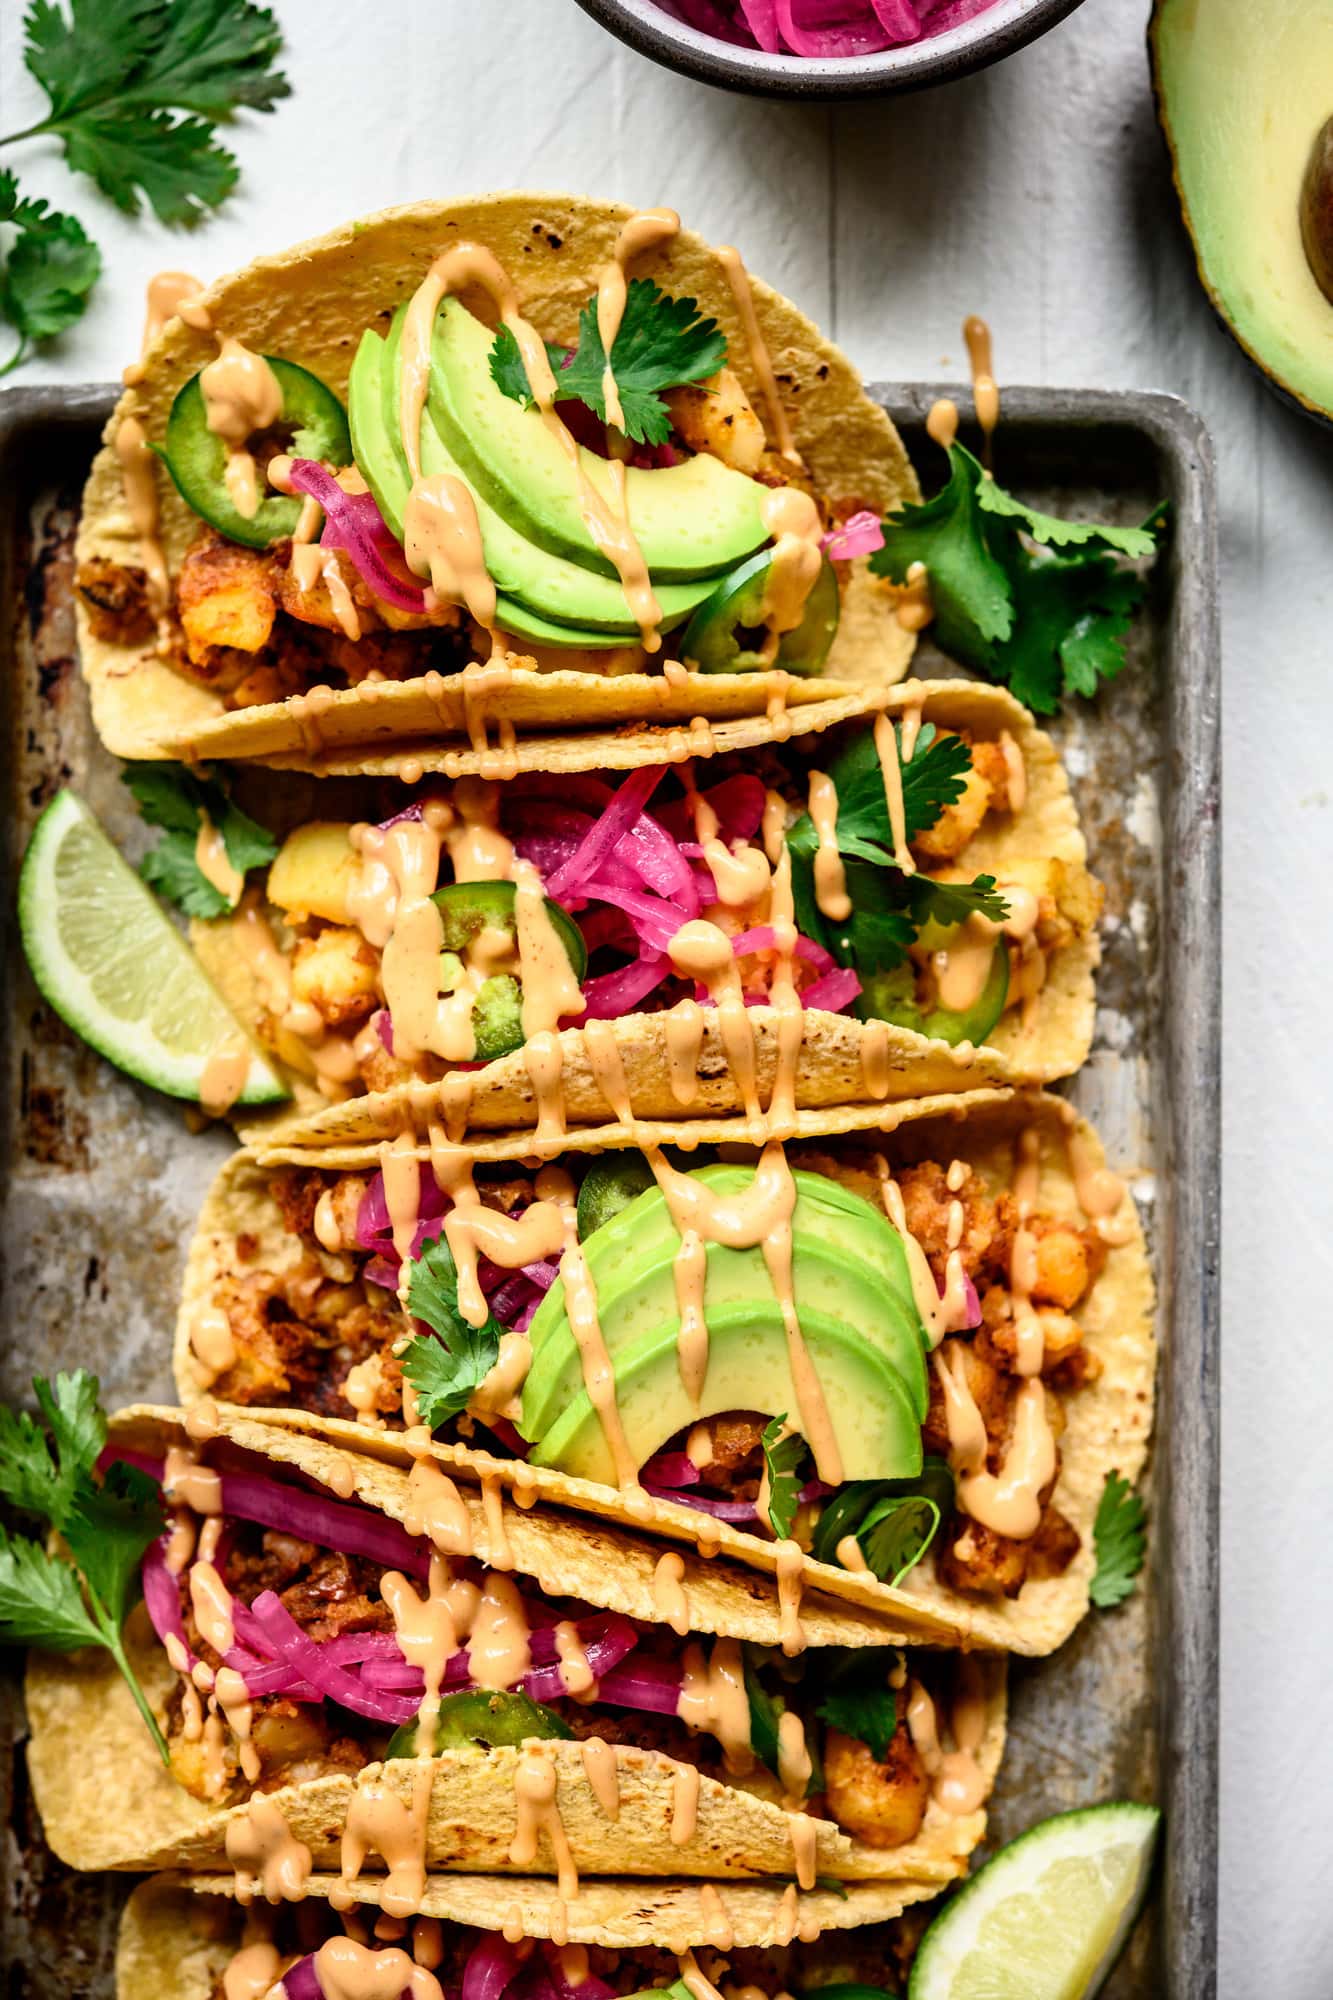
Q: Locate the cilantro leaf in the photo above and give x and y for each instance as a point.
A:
(48, 273)
(858, 1700)
(175, 798)
(1006, 605)
(47, 1599)
(109, 1528)
(40, 1600)
(783, 1453)
(1073, 617)
(1053, 532)
(766, 1713)
(507, 370)
(137, 86)
(954, 902)
(662, 343)
(1119, 1536)
(969, 589)
(447, 1370)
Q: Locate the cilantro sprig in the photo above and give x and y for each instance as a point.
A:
(1119, 1536)
(48, 272)
(663, 343)
(445, 1372)
(174, 798)
(135, 90)
(1009, 606)
(78, 1595)
(783, 1452)
(858, 1701)
(889, 908)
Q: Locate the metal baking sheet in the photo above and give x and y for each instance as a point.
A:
(102, 1181)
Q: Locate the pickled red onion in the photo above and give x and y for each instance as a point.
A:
(860, 535)
(354, 524)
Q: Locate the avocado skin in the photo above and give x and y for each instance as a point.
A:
(851, 1274)
(1318, 403)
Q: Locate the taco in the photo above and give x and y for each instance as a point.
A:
(917, 1413)
(180, 1936)
(389, 1670)
(514, 531)
(896, 906)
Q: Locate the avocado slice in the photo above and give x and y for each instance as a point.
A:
(690, 520)
(1244, 106)
(848, 1263)
(544, 599)
(869, 1405)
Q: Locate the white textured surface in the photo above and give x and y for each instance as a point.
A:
(1037, 194)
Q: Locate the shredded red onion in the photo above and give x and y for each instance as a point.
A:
(826, 29)
(833, 991)
(589, 1988)
(723, 1510)
(647, 1683)
(301, 1981)
(764, 938)
(629, 801)
(670, 1468)
(354, 524)
(306, 1655)
(860, 535)
(612, 994)
(490, 1968)
(161, 1596)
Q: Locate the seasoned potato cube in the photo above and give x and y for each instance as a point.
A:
(225, 597)
(716, 416)
(315, 868)
(957, 823)
(337, 974)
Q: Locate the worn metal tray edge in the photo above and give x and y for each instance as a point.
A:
(1187, 1477)
(1186, 1526)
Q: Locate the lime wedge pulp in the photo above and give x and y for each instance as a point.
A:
(112, 964)
(1046, 1917)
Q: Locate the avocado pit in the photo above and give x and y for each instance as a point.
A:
(1317, 209)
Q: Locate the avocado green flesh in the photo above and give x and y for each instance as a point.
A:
(869, 1408)
(848, 1264)
(1241, 97)
(890, 996)
(197, 457)
(829, 1279)
(712, 640)
(542, 598)
(690, 520)
(630, 1260)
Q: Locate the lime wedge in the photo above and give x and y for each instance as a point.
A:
(112, 964)
(1046, 1917)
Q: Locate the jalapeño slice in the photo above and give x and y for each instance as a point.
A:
(891, 996)
(313, 425)
(476, 1716)
(466, 910)
(727, 631)
(610, 1185)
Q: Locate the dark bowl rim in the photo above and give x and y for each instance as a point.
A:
(917, 66)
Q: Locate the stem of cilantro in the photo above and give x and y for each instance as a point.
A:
(17, 358)
(111, 1639)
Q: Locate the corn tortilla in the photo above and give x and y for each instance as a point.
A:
(310, 305)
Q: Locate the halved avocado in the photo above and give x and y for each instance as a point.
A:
(849, 1267)
(544, 599)
(868, 1403)
(1244, 96)
(690, 520)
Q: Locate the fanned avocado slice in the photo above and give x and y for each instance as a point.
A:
(869, 1406)
(543, 599)
(690, 520)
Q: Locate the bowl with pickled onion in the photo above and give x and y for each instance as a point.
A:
(827, 48)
